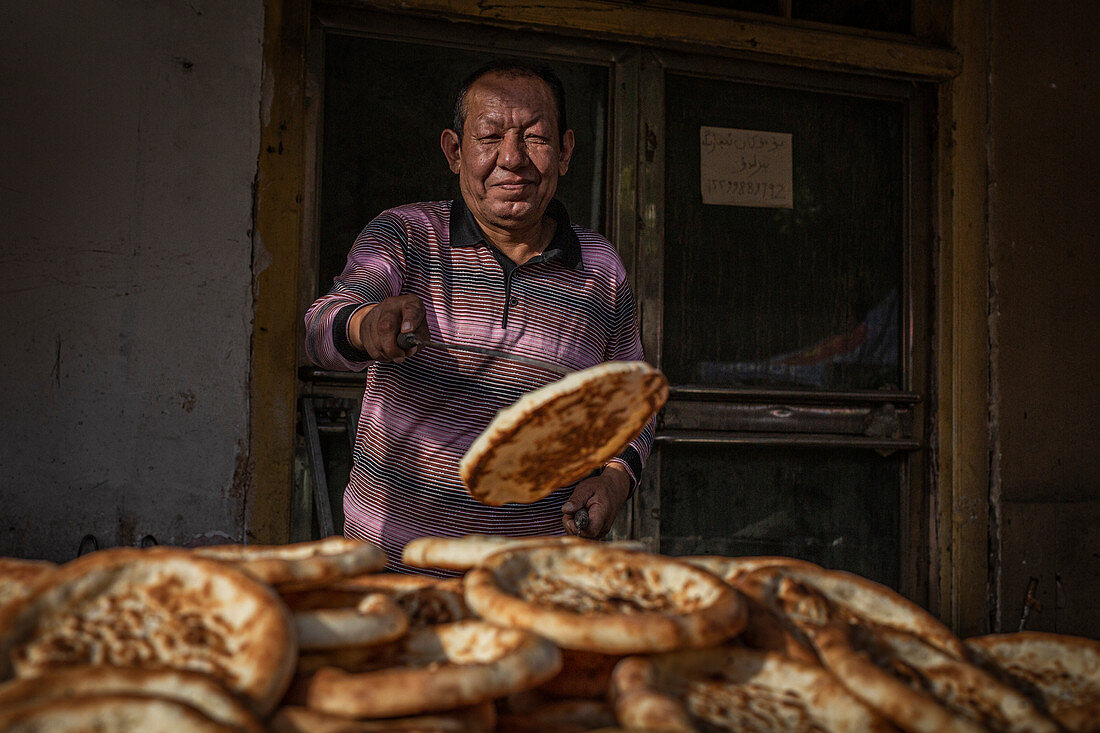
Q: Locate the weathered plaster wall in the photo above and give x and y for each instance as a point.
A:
(1045, 216)
(128, 153)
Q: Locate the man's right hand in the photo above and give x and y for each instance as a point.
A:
(374, 328)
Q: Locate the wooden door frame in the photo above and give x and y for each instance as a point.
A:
(954, 56)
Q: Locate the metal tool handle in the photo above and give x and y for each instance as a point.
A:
(409, 340)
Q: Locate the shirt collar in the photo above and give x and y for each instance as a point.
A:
(565, 246)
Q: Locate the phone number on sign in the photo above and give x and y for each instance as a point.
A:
(747, 189)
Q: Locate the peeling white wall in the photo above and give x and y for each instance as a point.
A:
(127, 157)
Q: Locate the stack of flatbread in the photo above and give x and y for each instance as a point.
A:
(823, 650)
(597, 602)
(551, 634)
(307, 636)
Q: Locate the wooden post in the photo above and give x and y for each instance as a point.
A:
(276, 244)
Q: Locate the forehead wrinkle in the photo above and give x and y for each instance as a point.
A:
(497, 95)
(507, 120)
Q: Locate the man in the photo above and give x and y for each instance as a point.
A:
(500, 267)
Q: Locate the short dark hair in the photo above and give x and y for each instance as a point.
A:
(512, 68)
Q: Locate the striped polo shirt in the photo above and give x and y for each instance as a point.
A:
(571, 305)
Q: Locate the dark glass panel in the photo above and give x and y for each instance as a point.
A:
(893, 16)
(801, 297)
(836, 508)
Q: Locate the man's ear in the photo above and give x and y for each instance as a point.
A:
(567, 143)
(451, 149)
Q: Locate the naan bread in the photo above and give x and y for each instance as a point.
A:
(1060, 673)
(430, 669)
(764, 629)
(463, 553)
(375, 619)
(590, 597)
(154, 608)
(921, 688)
(424, 600)
(191, 688)
(113, 713)
(301, 565)
(18, 576)
(558, 434)
(733, 569)
(297, 719)
(737, 689)
(851, 598)
(908, 680)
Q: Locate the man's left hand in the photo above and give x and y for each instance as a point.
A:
(602, 496)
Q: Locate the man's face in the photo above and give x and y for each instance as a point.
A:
(511, 154)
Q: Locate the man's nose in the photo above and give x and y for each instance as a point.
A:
(513, 151)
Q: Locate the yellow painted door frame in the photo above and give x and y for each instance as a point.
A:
(954, 57)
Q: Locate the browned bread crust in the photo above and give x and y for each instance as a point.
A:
(1060, 673)
(729, 687)
(301, 565)
(558, 434)
(298, 719)
(114, 713)
(591, 597)
(431, 669)
(192, 688)
(155, 608)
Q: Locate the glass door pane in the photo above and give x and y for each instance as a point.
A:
(838, 508)
(802, 297)
(787, 330)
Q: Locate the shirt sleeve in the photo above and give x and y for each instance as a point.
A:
(625, 344)
(375, 270)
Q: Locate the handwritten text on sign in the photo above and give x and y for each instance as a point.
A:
(745, 167)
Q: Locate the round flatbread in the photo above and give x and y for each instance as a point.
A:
(430, 669)
(197, 690)
(18, 576)
(424, 600)
(558, 434)
(906, 677)
(732, 688)
(591, 597)
(301, 565)
(851, 597)
(920, 687)
(114, 713)
(463, 553)
(375, 619)
(155, 608)
(733, 569)
(764, 629)
(297, 719)
(1060, 673)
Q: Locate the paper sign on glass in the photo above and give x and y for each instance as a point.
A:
(745, 167)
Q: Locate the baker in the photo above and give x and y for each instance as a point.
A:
(501, 267)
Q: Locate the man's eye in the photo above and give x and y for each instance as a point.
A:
(489, 138)
(537, 139)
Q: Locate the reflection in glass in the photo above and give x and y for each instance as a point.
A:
(836, 508)
(802, 297)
